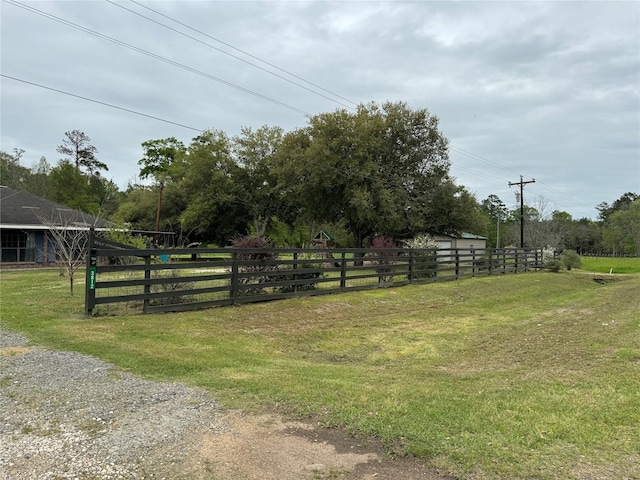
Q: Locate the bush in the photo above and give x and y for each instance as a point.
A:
(311, 277)
(261, 267)
(125, 237)
(553, 265)
(570, 259)
(174, 290)
(383, 258)
(548, 254)
(425, 259)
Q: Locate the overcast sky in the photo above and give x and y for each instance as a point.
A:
(546, 90)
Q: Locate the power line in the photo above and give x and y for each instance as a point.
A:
(100, 103)
(360, 175)
(496, 164)
(153, 55)
(244, 52)
(244, 90)
(227, 53)
(153, 117)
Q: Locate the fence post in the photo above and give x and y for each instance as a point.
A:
(295, 275)
(473, 263)
(91, 275)
(234, 277)
(457, 264)
(490, 262)
(343, 271)
(411, 265)
(147, 284)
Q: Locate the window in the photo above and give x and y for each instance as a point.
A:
(17, 246)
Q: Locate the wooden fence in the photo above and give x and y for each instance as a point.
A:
(162, 280)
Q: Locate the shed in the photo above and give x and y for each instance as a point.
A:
(464, 241)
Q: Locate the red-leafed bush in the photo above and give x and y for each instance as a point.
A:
(259, 263)
(382, 255)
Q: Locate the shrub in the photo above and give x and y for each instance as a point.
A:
(311, 277)
(553, 265)
(261, 266)
(425, 259)
(383, 258)
(173, 290)
(570, 259)
(125, 237)
(548, 254)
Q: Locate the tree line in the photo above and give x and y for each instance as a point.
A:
(379, 171)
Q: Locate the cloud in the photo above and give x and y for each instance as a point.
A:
(542, 89)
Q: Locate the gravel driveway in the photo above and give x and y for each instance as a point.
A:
(66, 415)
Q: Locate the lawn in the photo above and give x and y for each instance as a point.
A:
(611, 264)
(514, 376)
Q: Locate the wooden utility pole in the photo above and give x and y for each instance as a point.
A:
(522, 183)
(158, 211)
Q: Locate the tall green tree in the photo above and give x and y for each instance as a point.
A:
(39, 182)
(138, 209)
(12, 173)
(498, 215)
(254, 153)
(69, 187)
(377, 169)
(622, 230)
(624, 202)
(77, 148)
(158, 162)
(215, 210)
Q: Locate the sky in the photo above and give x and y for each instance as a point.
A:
(523, 90)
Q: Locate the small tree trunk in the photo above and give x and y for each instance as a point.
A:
(71, 282)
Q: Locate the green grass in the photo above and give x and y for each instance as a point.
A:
(611, 264)
(532, 376)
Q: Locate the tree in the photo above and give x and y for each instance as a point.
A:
(214, 209)
(534, 236)
(69, 186)
(39, 181)
(498, 214)
(78, 149)
(12, 174)
(586, 237)
(70, 232)
(622, 230)
(138, 209)
(254, 153)
(622, 203)
(377, 169)
(159, 156)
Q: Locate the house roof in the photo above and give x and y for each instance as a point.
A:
(24, 210)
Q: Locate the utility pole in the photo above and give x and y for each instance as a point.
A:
(522, 183)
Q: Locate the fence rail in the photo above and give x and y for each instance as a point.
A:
(162, 280)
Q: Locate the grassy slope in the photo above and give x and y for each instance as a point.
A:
(518, 376)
